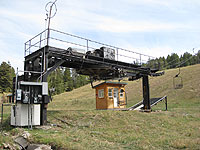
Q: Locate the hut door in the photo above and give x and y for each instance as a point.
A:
(116, 97)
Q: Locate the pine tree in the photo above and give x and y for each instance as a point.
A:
(6, 75)
(186, 59)
(198, 57)
(59, 83)
(55, 81)
(172, 60)
(68, 83)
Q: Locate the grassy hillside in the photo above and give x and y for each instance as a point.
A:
(84, 98)
(77, 125)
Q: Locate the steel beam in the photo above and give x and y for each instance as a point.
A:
(43, 113)
(146, 93)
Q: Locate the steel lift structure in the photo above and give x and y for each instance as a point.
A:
(41, 59)
(52, 48)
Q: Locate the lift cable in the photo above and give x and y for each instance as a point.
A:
(182, 62)
(177, 79)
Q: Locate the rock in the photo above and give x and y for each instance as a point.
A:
(26, 134)
(5, 145)
(5, 134)
(8, 146)
(21, 141)
(39, 147)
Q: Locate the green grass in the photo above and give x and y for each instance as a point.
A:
(80, 126)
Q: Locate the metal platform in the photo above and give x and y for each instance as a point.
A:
(96, 67)
(73, 51)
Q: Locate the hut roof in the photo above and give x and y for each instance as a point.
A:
(8, 95)
(110, 82)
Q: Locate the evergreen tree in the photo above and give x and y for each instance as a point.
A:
(59, 83)
(6, 76)
(172, 60)
(68, 83)
(186, 59)
(55, 81)
(198, 57)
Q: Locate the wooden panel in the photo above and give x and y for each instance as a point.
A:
(108, 102)
(101, 103)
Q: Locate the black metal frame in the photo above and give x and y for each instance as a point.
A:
(93, 66)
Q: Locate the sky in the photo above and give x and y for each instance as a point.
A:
(153, 27)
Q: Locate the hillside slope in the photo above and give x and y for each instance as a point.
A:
(83, 127)
(77, 125)
(84, 98)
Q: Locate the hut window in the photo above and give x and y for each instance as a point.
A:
(101, 93)
(121, 93)
(110, 94)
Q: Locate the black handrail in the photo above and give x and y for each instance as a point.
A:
(29, 44)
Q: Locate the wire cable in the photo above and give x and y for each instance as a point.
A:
(178, 64)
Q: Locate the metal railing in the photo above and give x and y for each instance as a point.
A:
(64, 40)
(35, 43)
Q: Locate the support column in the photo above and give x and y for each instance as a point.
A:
(146, 93)
(45, 98)
(166, 103)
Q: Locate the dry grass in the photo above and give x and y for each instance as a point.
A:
(133, 130)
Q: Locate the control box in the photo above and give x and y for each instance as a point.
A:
(31, 92)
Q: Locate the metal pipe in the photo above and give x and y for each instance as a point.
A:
(29, 47)
(16, 86)
(117, 55)
(2, 115)
(36, 36)
(29, 109)
(15, 113)
(31, 116)
(24, 49)
(40, 40)
(48, 29)
(87, 45)
(30, 72)
(92, 48)
(99, 43)
(33, 45)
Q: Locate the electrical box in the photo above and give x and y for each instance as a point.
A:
(25, 115)
(44, 88)
(31, 92)
(19, 95)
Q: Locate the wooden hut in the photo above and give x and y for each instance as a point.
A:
(110, 95)
(9, 98)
